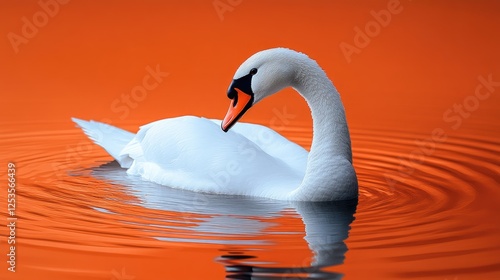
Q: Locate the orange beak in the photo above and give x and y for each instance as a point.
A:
(239, 105)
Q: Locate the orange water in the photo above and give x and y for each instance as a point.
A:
(428, 173)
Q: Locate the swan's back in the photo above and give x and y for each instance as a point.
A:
(193, 153)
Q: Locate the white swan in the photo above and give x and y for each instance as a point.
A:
(194, 154)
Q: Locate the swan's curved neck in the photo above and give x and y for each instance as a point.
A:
(329, 174)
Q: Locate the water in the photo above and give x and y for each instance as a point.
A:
(427, 216)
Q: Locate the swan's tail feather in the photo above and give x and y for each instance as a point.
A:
(111, 138)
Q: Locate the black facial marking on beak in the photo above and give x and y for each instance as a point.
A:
(244, 84)
(239, 90)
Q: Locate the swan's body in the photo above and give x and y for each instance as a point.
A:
(193, 153)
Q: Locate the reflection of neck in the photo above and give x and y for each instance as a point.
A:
(330, 158)
(327, 225)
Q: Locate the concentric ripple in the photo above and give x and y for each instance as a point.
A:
(427, 208)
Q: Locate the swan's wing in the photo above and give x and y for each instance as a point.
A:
(112, 139)
(194, 153)
(272, 143)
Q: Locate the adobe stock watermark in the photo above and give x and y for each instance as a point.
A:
(454, 117)
(373, 28)
(223, 6)
(139, 93)
(31, 26)
(121, 275)
(11, 216)
(121, 105)
(460, 111)
(198, 203)
(279, 121)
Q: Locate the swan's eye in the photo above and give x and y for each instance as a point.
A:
(253, 71)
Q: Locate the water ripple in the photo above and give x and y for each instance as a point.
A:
(413, 210)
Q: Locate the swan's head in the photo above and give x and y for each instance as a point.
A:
(261, 75)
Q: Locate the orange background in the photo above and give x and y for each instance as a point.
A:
(90, 53)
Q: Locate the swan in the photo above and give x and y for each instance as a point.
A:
(195, 154)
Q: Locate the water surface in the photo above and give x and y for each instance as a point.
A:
(427, 217)
(425, 146)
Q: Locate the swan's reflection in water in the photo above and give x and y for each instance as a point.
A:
(327, 225)
(245, 226)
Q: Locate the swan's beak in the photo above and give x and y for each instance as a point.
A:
(240, 103)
